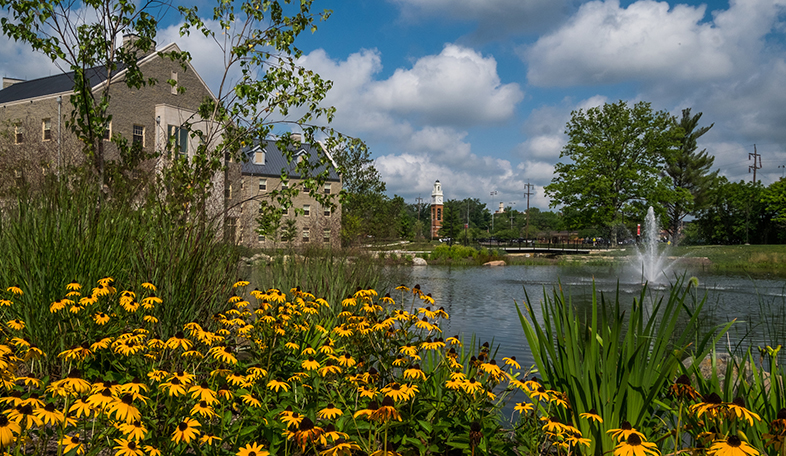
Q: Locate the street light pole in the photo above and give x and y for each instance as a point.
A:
(494, 193)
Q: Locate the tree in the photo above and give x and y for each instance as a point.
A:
(775, 199)
(612, 172)
(688, 172)
(452, 222)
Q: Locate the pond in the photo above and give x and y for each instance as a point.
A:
(480, 300)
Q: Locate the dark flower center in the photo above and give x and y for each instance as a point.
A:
(182, 426)
(106, 392)
(132, 445)
(734, 441)
(739, 402)
(306, 424)
(781, 414)
(387, 402)
(75, 440)
(175, 381)
(634, 440)
(3, 421)
(128, 399)
(202, 404)
(474, 426)
(625, 426)
(683, 380)
(50, 408)
(713, 398)
(179, 335)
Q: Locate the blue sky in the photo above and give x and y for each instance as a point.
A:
(476, 93)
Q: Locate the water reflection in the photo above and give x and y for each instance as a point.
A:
(480, 300)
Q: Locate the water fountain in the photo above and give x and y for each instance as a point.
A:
(654, 266)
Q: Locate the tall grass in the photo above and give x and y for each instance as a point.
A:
(60, 234)
(329, 274)
(620, 360)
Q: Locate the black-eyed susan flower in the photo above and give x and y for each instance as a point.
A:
(310, 364)
(435, 344)
(203, 409)
(173, 387)
(307, 433)
(23, 415)
(290, 418)
(367, 391)
(736, 410)
(415, 373)
(127, 447)
(386, 411)
(524, 407)
(72, 442)
(252, 449)
(732, 446)
(186, 431)
(101, 399)
(101, 318)
(203, 392)
(80, 408)
(591, 415)
(682, 389)
(341, 447)
(329, 412)
(223, 353)
(179, 340)
(512, 362)
(209, 438)
(133, 430)
(471, 386)
(624, 432)
(635, 446)
(277, 384)
(711, 405)
(8, 429)
(16, 324)
(240, 283)
(149, 286)
(329, 368)
(251, 400)
(123, 408)
(15, 290)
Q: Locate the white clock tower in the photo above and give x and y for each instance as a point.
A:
(436, 209)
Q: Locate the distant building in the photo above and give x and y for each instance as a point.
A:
(249, 191)
(436, 210)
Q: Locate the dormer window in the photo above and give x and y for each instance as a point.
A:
(301, 155)
(259, 156)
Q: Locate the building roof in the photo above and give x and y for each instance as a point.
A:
(51, 85)
(276, 162)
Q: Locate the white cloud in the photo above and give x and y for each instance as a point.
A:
(457, 87)
(649, 41)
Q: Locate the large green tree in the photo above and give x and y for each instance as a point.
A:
(688, 171)
(610, 167)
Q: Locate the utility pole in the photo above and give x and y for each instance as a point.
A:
(419, 201)
(510, 216)
(783, 173)
(528, 193)
(466, 226)
(756, 162)
(493, 211)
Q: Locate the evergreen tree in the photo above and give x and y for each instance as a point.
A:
(688, 171)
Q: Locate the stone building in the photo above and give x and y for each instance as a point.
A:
(35, 139)
(250, 190)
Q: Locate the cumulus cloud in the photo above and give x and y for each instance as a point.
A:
(457, 87)
(605, 43)
(495, 18)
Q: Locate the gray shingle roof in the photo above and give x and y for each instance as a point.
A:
(275, 161)
(50, 85)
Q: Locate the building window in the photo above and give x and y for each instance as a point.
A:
(326, 235)
(107, 131)
(173, 82)
(179, 136)
(284, 185)
(285, 211)
(259, 157)
(46, 126)
(242, 185)
(260, 237)
(262, 185)
(306, 234)
(19, 133)
(327, 188)
(439, 213)
(327, 211)
(228, 192)
(139, 135)
(306, 210)
(261, 208)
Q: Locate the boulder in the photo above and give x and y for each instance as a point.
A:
(495, 263)
(419, 262)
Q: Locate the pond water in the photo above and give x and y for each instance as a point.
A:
(480, 300)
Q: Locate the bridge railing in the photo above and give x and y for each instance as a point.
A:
(575, 244)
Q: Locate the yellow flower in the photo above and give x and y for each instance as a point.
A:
(69, 443)
(635, 446)
(736, 409)
(252, 449)
(277, 384)
(7, 430)
(15, 290)
(524, 407)
(329, 412)
(127, 447)
(592, 415)
(149, 286)
(73, 286)
(186, 431)
(415, 373)
(101, 318)
(511, 362)
(624, 432)
(208, 439)
(203, 409)
(133, 430)
(16, 324)
(240, 283)
(310, 364)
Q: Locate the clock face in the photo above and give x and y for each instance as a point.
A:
(439, 200)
